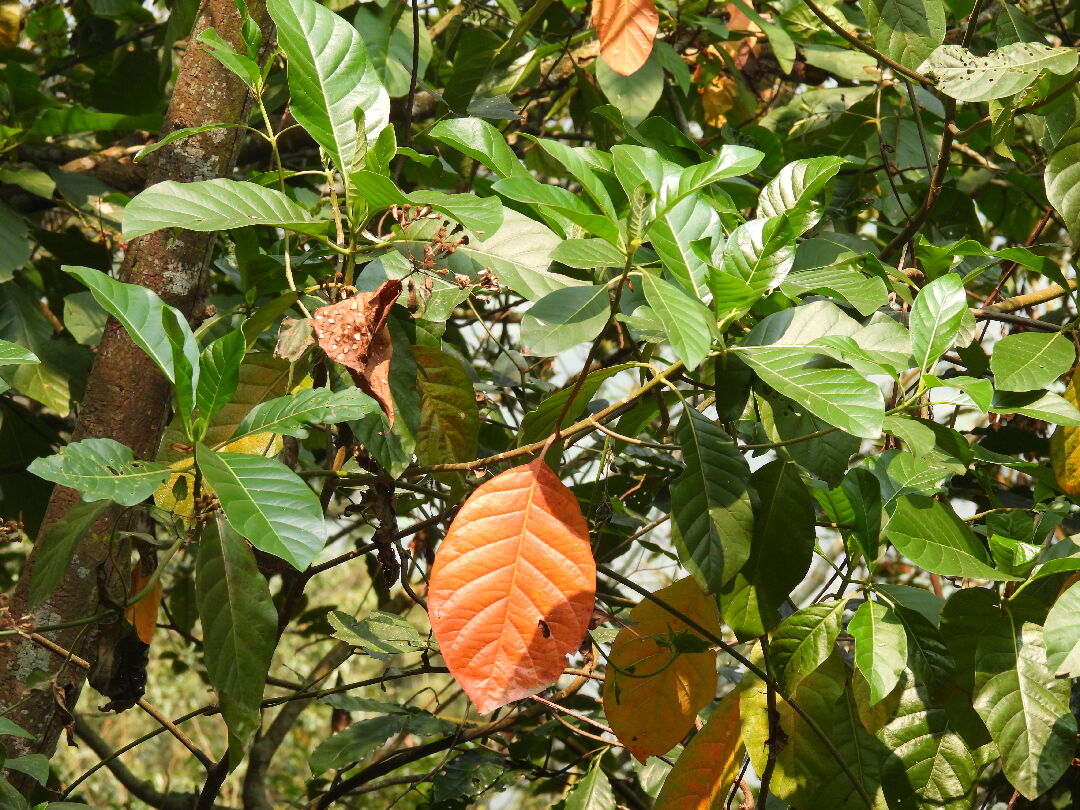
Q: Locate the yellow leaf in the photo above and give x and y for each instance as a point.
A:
(706, 769)
(652, 693)
(143, 614)
(10, 13)
(1065, 445)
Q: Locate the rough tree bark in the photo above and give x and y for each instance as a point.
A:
(127, 398)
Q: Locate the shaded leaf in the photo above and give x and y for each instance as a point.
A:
(57, 547)
(1062, 180)
(356, 743)
(592, 793)
(1062, 632)
(449, 419)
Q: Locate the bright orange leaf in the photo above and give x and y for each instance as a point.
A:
(652, 703)
(512, 587)
(705, 771)
(626, 29)
(143, 614)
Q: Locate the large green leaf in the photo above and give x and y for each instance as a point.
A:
(481, 141)
(825, 457)
(239, 624)
(1030, 360)
(1062, 633)
(449, 419)
(936, 317)
(672, 235)
(266, 503)
(929, 533)
(588, 254)
(712, 520)
(212, 205)
(803, 641)
(760, 253)
(481, 214)
(291, 414)
(57, 547)
(219, 372)
(1005, 72)
(1025, 708)
(142, 314)
(15, 248)
(930, 765)
(23, 323)
(729, 161)
(906, 31)
(11, 354)
(330, 78)
(1044, 405)
(688, 322)
(880, 647)
(1062, 180)
(780, 552)
(546, 198)
(841, 397)
(102, 469)
(800, 191)
(565, 318)
(634, 95)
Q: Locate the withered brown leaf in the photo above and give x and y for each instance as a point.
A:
(354, 333)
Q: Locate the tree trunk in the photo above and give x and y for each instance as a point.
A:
(127, 398)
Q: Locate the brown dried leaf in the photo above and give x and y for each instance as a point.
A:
(353, 333)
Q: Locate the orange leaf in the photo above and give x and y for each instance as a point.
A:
(1065, 445)
(143, 614)
(705, 771)
(626, 29)
(653, 702)
(512, 588)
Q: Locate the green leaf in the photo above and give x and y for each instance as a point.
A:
(70, 120)
(102, 469)
(15, 247)
(856, 504)
(880, 647)
(539, 423)
(482, 142)
(11, 354)
(929, 533)
(1030, 360)
(673, 234)
(930, 764)
(481, 214)
(219, 372)
(592, 793)
(23, 323)
(57, 548)
(266, 503)
(976, 391)
(9, 728)
(449, 419)
(378, 632)
(213, 205)
(634, 95)
(800, 190)
(141, 313)
(936, 317)
(291, 414)
(688, 322)
(1062, 180)
(565, 318)
(803, 641)
(760, 253)
(390, 49)
(1044, 405)
(544, 197)
(330, 79)
(841, 397)
(712, 518)
(242, 66)
(577, 163)
(1025, 709)
(587, 254)
(780, 552)
(356, 743)
(1062, 632)
(825, 457)
(730, 161)
(1004, 72)
(466, 777)
(240, 629)
(36, 766)
(907, 31)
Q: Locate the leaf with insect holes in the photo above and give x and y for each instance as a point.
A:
(512, 588)
(651, 700)
(626, 30)
(353, 333)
